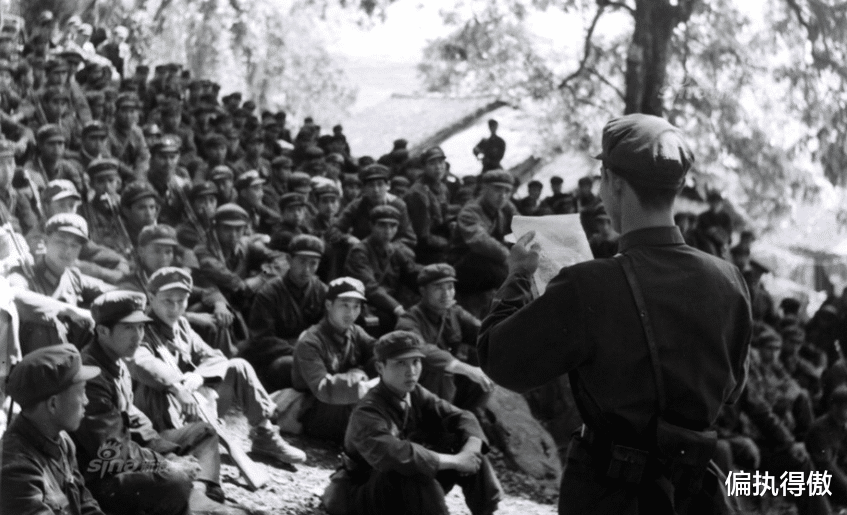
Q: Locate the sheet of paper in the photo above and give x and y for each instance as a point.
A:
(563, 243)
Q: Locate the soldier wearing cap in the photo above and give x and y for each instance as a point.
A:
(170, 112)
(531, 205)
(283, 308)
(427, 205)
(250, 187)
(490, 150)
(332, 362)
(229, 260)
(203, 197)
(384, 268)
(215, 150)
(93, 144)
(139, 206)
(450, 369)
(478, 251)
(604, 241)
(293, 210)
(164, 463)
(224, 179)
(53, 108)
(108, 224)
(663, 395)
(39, 470)
(355, 218)
(406, 448)
(560, 203)
(351, 189)
(277, 185)
(56, 313)
(763, 305)
(126, 140)
(50, 161)
(170, 180)
(254, 147)
(174, 360)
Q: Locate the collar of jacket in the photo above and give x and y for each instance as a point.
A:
(338, 338)
(30, 432)
(651, 237)
(109, 364)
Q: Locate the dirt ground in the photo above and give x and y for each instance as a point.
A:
(296, 490)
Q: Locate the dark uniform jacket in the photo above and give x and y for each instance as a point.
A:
(106, 225)
(282, 310)
(174, 199)
(827, 446)
(323, 358)
(40, 476)
(72, 287)
(130, 147)
(493, 149)
(382, 270)
(586, 324)
(448, 331)
(386, 436)
(355, 217)
(427, 207)
(113, 420)
(481, 230)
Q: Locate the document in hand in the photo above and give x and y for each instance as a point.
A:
(563, 243)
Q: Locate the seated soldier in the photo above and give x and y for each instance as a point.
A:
(39, 468)
(140, 207)
(407, 448)
(351, 188)
(478, 251)
(531, 205)
(103, 210)
(48, 164)
(95, 260)
(443, 323)
(204, 201)
(114, 431)
(560, 203)
(224, 180)
(355, 218)
(277, 184)
(126, 141)
(169, 179)
(294, 212)
(262, 219)
(330, 359)
(604, 241)
(427, 205)
(173, 362)
(57, 313)
(283, 308)
(827, 444)
(229, 260)
(337, 244)
(384, 268)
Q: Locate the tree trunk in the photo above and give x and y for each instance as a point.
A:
(648, 55)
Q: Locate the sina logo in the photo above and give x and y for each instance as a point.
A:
(110, 450)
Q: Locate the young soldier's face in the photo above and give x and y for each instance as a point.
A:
(496, 195)
(107, 183)
(127, 116)
(384, 231)
(342, 313)
(375, 190)
(55, 108)
(5, 79)
(224, 186)
(351, 191)
(169, 305)
(253, 195)
(434, 169)
(400, 374)
(62, 249)
(144, 212)
(216, 154)
(94, 144)
(205, 206)
(302, 268)
(164, 161)
(439, 296)
(230, 235)
(154, 256)
(52, 149)
(123, 339)
(294, 215)
(69, 406)
(535, 193)
(328, 206)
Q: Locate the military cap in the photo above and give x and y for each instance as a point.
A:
(336, 158)
(535, 184)
(646, 150)
(120, 306)
(384, 213)
(585, 181)
(46, 372)
(222, 117)
(291, 199)
(162, 234)
(45, 16)
(127, 99)
(142, 69)
(170, 106)
(248, 179)
(151, 130)
(221, 172)
(170, 278)
(299, 180)
(556, 180)
(72, 56)
(345, 288)
(52, 92)
(69, 223)
(374, 172)
(215, 140)
(120, 30)
(314, 152)
(55, 65)
(49, 132)
(231, 214)
(282, 161)
(400, 144)
(498, 176)
(6, 65)
(174, 67)
(432, 153)
(102, 166)
(399, 180)
(243, 113)
(202, 189)
(306, 245)
(138, 190)
(95, 127)
(769, 339)
(167, 144)
(350, 179)
(59, 189)
(364, 161)
(436, 273)
(399, 345)
(326, 189)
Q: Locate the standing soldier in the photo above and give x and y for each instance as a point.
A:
(39, 469)
(490, 150)
(126, 140)
(427, 205)
(645, 445)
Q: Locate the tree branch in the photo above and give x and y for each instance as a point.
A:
(586, 53)
(606, 81)
(798, 11)
(618, 5)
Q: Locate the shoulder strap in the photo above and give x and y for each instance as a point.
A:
(637, 295)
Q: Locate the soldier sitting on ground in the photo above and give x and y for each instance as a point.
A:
(173, 362)
(407, 448)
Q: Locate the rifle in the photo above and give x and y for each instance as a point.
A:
(256, 476)
(116, 213)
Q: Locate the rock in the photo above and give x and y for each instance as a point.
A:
(523, 440)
